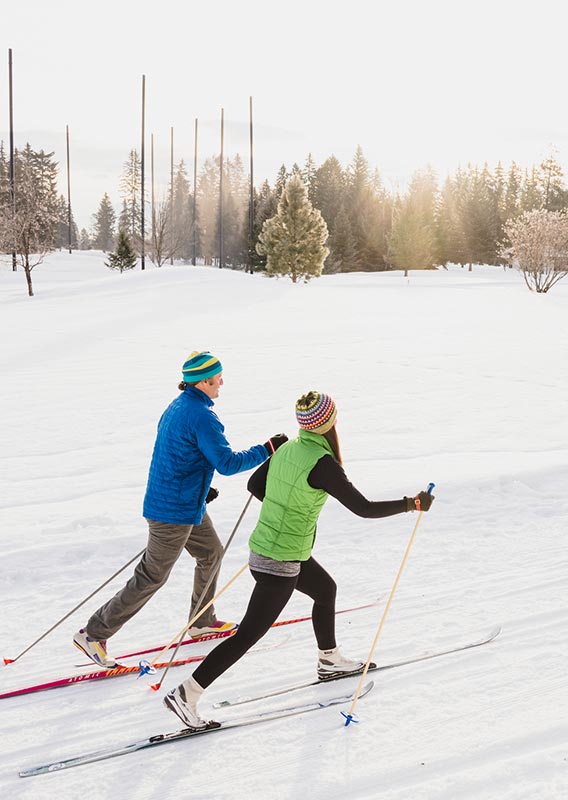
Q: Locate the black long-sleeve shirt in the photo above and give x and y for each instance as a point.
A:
(329, 475)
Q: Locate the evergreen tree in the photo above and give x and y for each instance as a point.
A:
(309, 178)
(281, 180)
(265, 207)
(39, 168)
(62, 235)
(208, 201)
(412, 241)
(368, 215)
(124, 257)
(359, 177)
(343, 256)
(4, 176)
(499, 183)
(369, 227)
(294, 239)
(104, 221)
(297, 172)
(512, 198)
(124, 218)
(181, 233)
(195, 231)
(330, 185)
(550, 178)
(445, 223)
(235, 213)
(531, 195)
(480, 221)
(130, 189)
(85, 240)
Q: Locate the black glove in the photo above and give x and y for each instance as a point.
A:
(212, 494)
(274, 442)
(425, 500)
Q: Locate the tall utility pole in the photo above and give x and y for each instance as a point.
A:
(68, 187)
(12, 162)
(142, 189)
(221, 254)
(251, 200)
(172, 222)
(153, 209)
(194, 218)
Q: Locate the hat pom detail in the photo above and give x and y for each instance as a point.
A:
(316, 412)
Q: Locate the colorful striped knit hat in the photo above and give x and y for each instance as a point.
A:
(200, 366)
(316, 412)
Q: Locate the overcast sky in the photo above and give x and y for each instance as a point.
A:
(414, 82)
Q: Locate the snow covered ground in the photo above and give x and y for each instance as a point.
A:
(454, 377)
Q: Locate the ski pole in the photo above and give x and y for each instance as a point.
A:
(145, 669)
(349, 716)
(213, 574)
(82, 603)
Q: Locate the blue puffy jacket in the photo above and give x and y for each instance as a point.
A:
(190, 446)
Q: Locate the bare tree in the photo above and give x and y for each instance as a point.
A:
(29, 230)
(164, 244)
(539, 247)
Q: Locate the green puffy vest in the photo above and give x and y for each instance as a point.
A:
(286, 528)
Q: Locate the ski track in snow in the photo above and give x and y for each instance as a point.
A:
(455, 377)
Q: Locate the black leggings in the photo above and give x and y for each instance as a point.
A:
(267, 601)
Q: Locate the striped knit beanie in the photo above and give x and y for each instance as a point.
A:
(316, 412)
(200, 366)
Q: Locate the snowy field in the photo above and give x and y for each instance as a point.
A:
(454, 377)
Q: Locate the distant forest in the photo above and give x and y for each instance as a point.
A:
(461, 220)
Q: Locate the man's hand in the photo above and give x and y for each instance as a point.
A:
(212, 494)
(275, 442)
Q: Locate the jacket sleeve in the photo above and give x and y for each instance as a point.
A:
(257, 481)
(213, 444)
(329, 475)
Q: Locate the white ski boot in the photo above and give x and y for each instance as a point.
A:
(183, 700)
(332, 664)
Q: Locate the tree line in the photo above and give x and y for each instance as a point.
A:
(369, 226)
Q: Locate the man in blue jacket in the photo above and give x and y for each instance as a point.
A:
(189, 447)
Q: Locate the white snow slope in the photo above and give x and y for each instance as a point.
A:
(451, 376)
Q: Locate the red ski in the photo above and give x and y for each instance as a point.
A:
(132, 670)
(101, 674)
(210, 636)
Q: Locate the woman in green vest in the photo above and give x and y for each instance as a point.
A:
(293, 487)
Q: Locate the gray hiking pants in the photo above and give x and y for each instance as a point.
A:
(165, 545)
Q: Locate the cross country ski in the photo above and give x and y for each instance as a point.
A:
(117, 672)
(484, 639)
(175, 736)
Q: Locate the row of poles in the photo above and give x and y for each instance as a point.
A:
(194, 203)
(142, 179)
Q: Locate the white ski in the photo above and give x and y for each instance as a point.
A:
(164, 738)
(484, 639)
